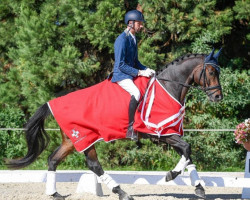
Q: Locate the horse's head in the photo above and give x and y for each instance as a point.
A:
(207, 75)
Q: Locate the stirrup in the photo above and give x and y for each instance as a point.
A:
(131, 133)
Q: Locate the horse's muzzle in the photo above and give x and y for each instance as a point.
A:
(216, 97)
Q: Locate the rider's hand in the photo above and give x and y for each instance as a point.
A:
(148, 72)
(152, 71)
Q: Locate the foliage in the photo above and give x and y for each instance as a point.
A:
(11, 144)
(50, 48)
(242, 9)
(127, 154)
(216, 151)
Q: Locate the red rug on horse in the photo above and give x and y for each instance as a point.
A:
(100, 112)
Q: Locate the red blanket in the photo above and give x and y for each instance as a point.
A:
(100, 112)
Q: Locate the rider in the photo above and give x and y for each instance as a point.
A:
(127, 66)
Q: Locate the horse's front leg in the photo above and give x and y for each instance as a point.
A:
(95, 166)
(184, 150)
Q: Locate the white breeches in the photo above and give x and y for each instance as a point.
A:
(130, 87)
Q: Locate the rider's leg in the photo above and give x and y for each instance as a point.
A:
(130, 87)
(131, 114)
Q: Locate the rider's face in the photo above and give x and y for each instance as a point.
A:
(136, 26)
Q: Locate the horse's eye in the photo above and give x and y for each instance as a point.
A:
(212, 73)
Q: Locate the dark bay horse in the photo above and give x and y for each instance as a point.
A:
(177, 77)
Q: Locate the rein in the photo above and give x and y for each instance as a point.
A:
(204, 88)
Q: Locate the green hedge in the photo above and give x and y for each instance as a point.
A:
(211, 151)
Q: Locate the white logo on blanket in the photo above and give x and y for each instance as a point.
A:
(75, 133)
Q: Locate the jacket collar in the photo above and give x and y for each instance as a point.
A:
(132, 38)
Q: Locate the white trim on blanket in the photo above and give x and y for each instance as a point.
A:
(99, 140)
(50, 108)
(179, 116)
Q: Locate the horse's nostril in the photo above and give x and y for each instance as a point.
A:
(218, 97)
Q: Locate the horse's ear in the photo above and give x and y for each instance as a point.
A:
(216, 56)
(210, 55)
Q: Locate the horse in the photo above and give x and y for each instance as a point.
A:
(176, 78)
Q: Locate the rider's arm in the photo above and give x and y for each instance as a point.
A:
(120, 54)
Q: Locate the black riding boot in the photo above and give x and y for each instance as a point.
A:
(132, 108)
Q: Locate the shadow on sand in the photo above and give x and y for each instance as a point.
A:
(193, 196)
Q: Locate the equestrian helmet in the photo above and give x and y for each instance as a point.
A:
(134, 15)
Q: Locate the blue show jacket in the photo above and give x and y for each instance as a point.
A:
(127, 64)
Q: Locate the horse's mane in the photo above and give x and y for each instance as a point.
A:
(180, 59)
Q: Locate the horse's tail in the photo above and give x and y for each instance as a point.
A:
(36, 137)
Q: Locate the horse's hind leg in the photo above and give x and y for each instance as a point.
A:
(54, 159)
(184, 149)
(95, 166)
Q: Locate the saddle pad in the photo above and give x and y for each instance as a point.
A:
(100, 112)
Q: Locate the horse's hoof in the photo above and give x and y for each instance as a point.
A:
(122, 195)
(57, 196)
(200, 192)
(171, 175)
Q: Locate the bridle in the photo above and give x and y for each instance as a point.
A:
(202, 75)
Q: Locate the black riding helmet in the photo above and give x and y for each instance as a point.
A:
(134, 15)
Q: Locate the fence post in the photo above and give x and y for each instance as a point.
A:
(88, 183)
(246, 190)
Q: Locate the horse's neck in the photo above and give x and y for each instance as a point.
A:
(179, 73)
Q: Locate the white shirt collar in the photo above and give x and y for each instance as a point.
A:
(133, 36)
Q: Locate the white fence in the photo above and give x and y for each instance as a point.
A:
(213, 179)
(88, 182)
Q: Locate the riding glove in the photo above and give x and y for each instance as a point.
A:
(148, 72)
